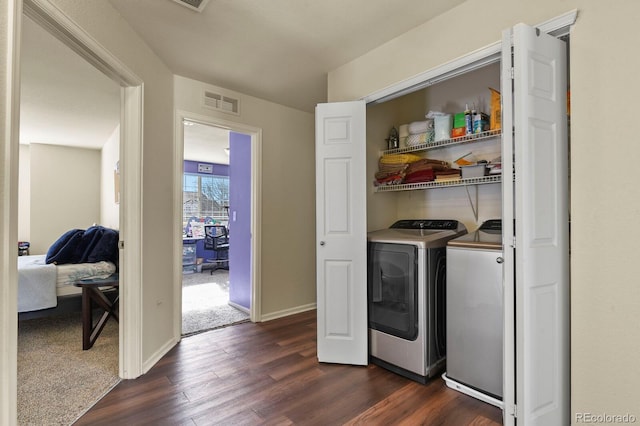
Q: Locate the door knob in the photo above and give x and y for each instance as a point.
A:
(499, 260)
(322, 243)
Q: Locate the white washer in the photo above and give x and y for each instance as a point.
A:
(475, 313)
(406, 291)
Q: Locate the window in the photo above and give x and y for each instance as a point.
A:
(205, 197)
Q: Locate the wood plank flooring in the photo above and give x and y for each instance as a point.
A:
(268, 374)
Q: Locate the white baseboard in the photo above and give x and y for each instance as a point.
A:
(287, 312)
(239, 307)
(153, 359)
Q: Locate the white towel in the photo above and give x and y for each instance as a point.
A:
(417, 127)
(403, 130)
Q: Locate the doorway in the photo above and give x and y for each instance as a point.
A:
(218, 212)
(58, 167)
(59, 25)
(210, 187)
(127, 140)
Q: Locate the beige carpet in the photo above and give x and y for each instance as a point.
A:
(205, 302)
(57, 380)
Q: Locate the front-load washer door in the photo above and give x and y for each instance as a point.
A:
(393, 289)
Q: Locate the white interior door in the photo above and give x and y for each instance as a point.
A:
(538, 200)
(341, 233)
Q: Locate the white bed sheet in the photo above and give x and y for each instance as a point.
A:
(36, 284)
(39, 284)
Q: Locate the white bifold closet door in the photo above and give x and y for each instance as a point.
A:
(536, 274)
(341, 233)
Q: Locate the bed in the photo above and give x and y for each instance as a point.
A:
(40, 284)
(77, 254)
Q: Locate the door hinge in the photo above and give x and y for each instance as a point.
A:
(513, 244)
(121, 245)
(513, 412)
(512, 73)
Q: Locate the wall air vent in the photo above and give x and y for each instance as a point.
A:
(221, 103)
(197, 5)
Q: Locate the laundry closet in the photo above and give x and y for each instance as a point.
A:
(530, 195)
(459, 200)
(428, 203)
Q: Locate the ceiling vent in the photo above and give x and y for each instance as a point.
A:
(221, 103)
(197, 5)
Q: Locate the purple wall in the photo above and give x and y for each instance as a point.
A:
(240, 219)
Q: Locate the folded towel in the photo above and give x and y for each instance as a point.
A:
(417, 127)
(420, 176)
(403, 130)
(448, 178)
(398, 158)
(449, 172)
(420, 138)
(427, 164)
(392, 168)
(389, 179)
(448, 175)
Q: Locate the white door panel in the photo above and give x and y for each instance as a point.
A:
(341, 233)
(538, 201)
(336, 204)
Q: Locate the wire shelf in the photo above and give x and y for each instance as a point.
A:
(440, 184)
(476, 137)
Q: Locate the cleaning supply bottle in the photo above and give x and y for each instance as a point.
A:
(477, 121)
(468, 120)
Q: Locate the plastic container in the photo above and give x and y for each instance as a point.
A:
(475, 171)
(442, 126)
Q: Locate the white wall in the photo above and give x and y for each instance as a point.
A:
(72, 162)
(109, 209)
(65, 192)
(288, 197)
(605, 297)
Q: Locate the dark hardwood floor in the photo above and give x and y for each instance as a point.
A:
(268, 374)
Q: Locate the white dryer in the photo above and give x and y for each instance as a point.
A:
(406, 296)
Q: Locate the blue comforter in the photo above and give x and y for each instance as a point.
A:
(95, 244)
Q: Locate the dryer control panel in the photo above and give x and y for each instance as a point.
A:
(426, 224)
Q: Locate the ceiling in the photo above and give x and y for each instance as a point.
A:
(64, 100)
(277, 50)
(205, 143)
